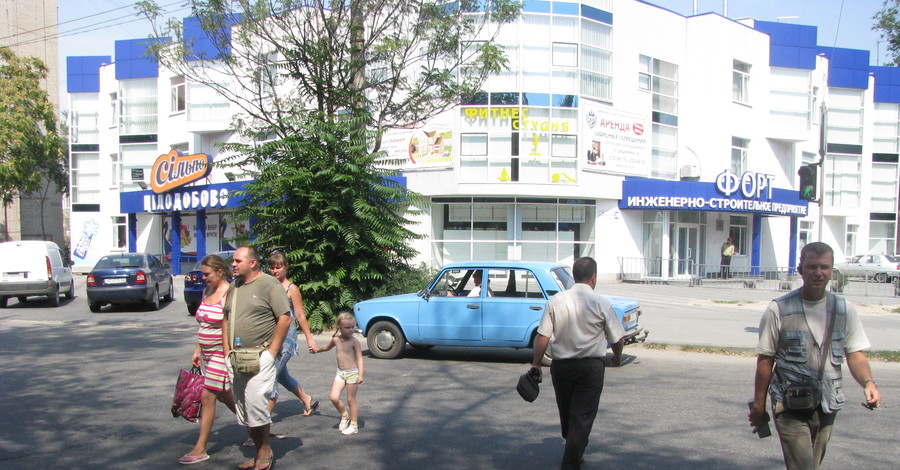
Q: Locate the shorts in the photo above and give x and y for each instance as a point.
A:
(349, 376)
(251, 392)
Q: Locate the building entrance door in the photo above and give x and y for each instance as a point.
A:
(686, 241)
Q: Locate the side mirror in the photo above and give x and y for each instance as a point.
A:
(424, 293)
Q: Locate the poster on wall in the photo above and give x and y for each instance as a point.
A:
(212, 234)
(615, 141)
(186, 234)
(88, 244)
(230, 230)
(429, 144)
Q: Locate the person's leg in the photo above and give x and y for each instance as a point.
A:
(585, 400)
(258, 419)
(227, 397)
(336, 388)
(795, 435)
(208, 405)
(821, 434)
(560, 375)
(353, 426)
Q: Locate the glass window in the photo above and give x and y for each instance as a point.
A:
(474, 144)
(178, 102)
(120, 231)
(565, 54)
(85, 178)
(882, 237)
(138, 106)
(114, 108)
(843, 180)
(564, 145)
(850, 242)
(739, 231)
(518, 283)
(741, 82)
(115, 170)
(739, 150)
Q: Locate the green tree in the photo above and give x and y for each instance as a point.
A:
(887, 22)
(317, 83)
(33, 151)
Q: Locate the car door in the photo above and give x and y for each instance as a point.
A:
(158, 273)
(514, 303)
(854, 267)
(447, 314)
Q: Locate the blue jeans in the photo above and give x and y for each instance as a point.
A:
(282, 376)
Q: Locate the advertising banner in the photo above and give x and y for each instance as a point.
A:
(615, 141)
(427, 145)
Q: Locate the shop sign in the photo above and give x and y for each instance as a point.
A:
(751, 185)
(614, 140)
(174, 170)
(518, 117)
(187, 200)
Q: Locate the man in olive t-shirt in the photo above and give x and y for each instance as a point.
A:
(260, 316)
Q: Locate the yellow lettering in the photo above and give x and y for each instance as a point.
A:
(565, 127)
(515, 124)
(545, 126)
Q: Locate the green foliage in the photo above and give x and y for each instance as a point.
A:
(405, 279)
(887, 22)
(320, 197)
(32, 149)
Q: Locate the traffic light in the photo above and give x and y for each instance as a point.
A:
(809, 189)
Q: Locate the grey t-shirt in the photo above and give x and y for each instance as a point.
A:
(815, 311)
(258, 305)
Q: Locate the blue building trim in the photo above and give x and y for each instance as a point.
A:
(756, 245)
(597, 14)
(790, 45)
(792, 245)
(847, 68)
(132, 233)
(198, 44)
(536, 6)
(83, 73)
(565, 8)
(134, 60)
(185, 198)
(175, 236)
(887, 84)
(200, 234)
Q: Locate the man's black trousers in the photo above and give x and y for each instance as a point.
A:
(578, 384)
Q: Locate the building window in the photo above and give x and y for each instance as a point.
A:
(884, 187)
(85, 178)
(850, 241)
(138, 107)
(791, 98)
(882, 237)
(887, 128)
(115, 170)
(843, 180)
(114, 109)
(845, 115)
(662, 79)
(120, 232)
(178, 104)
(739, 149)
(596, 60)
(473, 144)
(565, 54)
(739, 231)
(740, 82)
(805, 235)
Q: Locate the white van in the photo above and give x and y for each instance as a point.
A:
(33, 268)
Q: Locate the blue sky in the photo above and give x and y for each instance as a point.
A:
(840, 23)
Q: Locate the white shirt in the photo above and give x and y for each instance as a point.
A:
(580, 323)
(815, 312)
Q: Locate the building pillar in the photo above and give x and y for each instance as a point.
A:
(200, 234)
(792, 245)
(176, 243)
(756, 245)
(132, 233)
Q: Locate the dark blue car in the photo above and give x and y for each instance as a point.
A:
(122, 278)
(194, 285)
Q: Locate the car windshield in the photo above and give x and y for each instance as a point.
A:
(563, 278)
(894, 258)
(120, 261)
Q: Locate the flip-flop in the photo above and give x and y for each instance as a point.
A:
(192, 459)
(248, 465)
(267, 464)
(312, 408)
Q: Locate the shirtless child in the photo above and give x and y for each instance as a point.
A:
(349, 373)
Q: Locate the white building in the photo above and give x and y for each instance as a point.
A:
(622, 131)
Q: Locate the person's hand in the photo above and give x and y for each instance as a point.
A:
(873, 396)
(360, 380)
(196, 359)
(616, 361)
(313, 347)
(536, 373)
(757, 418)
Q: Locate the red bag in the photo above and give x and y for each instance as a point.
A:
(188, 389)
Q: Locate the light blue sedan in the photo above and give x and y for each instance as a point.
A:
(476, 303)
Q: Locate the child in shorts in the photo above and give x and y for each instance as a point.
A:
(349, 373)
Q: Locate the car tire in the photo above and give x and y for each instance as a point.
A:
(94, 306)
(170, 295)
(154, 299)
(192, 309)
(70, 294)
(385, 340)
(21, 298)
(3, 301)
(881, 277)
(54, 297)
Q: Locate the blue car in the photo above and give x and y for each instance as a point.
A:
(476, 303)
(194, 285)
(121, 278)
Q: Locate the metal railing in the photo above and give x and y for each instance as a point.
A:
(663, 270)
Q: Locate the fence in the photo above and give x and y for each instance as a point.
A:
(670, 271)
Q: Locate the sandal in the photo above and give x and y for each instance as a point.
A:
(311, 409)
(266, 464)
(248, 465)
(192, 459)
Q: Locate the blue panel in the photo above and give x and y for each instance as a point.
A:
(790, 45)
(83, 73)
(536, 99)
(219, 196)
(596, 14)
(848, 68)
(134, 61)
(536, 6)
(565, 8)
(199, 43)
(565, 101)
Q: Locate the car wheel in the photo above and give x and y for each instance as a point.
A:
(880, 277)
(94, 306)
(54, 297)
(70, 294)
(21, 299)
(3, 301)
(170, 295)
(385, 340)
(154, 299)
(192, 309)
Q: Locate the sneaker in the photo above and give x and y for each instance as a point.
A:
(351, 429)
(344, 423)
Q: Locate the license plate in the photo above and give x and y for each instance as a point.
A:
(115, 280)
(12, 276)
(626, 318)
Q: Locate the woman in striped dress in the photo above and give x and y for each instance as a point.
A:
(209, 351)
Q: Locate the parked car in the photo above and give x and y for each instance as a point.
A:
(121, 278)
(194, 283)
(882, 268)
(31, 267)
(453, 311)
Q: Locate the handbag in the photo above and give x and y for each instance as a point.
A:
(806, 396)
(528, 387)
(188, 389)
(243, 360)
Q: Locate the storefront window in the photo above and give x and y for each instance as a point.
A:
(739, 232)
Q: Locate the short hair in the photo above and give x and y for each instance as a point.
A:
(584, 268)
(340, 319)
(252, 253)
(818, 248)
(278, 258)
(217, 264)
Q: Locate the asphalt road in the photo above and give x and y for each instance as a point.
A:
(87, 391)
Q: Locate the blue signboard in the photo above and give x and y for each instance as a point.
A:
(748, 193)
(185, 198)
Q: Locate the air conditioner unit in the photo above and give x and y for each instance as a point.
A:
(690, 171)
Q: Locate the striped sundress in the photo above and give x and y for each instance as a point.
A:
(210, 316)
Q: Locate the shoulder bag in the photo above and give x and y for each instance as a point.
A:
(806, 397)
(243, 360)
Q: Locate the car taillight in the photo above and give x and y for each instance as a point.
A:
(90, 280)
(141, 278)
(49, 268)
(194, 277)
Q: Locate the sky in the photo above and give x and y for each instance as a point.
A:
(91, 27)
